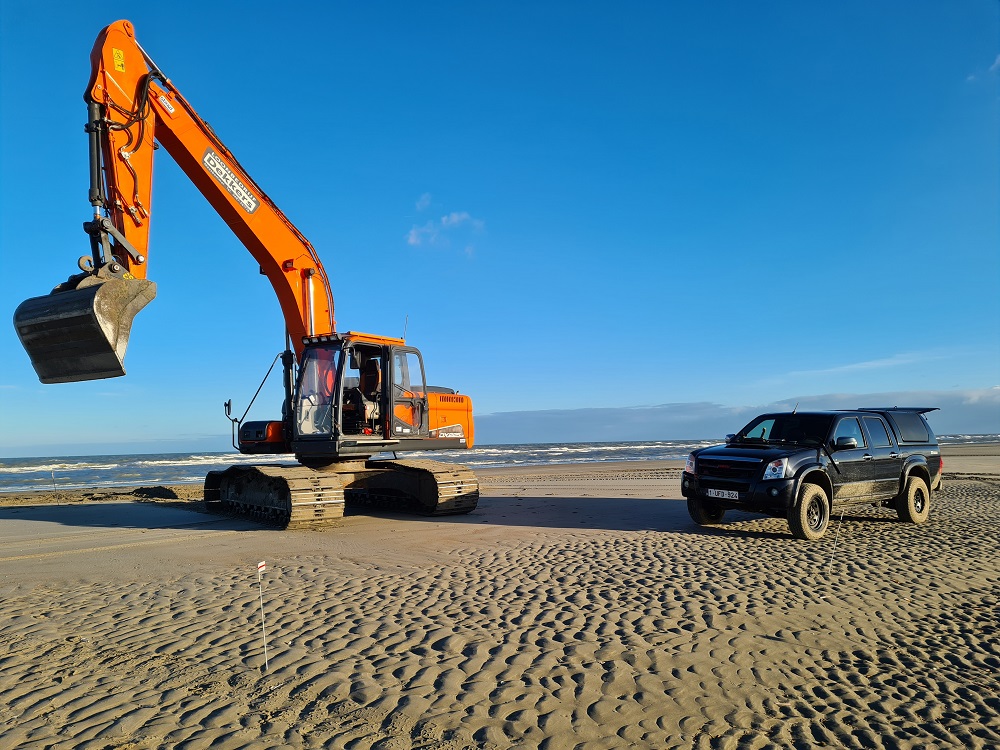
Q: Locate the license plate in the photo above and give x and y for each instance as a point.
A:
(724, 494)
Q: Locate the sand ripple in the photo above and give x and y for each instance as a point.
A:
(738, 637)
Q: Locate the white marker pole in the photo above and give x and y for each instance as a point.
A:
(261, 567)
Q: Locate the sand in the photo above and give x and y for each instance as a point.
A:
(578, 606)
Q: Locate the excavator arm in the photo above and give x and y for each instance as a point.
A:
(80, 331)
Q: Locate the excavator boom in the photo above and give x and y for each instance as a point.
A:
(79, 332)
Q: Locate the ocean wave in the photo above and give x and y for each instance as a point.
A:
(586, 447)
(82, 484)
(49, 468)
(20, 475)
(966, 439)
(201, 460)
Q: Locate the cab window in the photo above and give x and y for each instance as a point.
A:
(877, 432)
(407, 374)
(363, 405)
(317, 380)
(849, 427)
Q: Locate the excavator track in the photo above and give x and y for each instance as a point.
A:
(431, 488)
(289, 497)
(298, 497)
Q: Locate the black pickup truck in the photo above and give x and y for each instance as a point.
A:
(800, 465)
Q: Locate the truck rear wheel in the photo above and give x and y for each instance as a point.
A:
(914, 505)
(809, 517)
(704, 512)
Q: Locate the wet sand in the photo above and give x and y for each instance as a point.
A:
(578, 606)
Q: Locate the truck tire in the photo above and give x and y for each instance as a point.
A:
(914, 505)
(704, 512)
(809, 517)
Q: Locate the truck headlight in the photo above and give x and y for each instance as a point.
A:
(689, 464)
(776, 469)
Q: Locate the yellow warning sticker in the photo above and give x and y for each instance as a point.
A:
(119, 59)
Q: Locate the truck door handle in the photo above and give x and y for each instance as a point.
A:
(868, 457)
(893, 455)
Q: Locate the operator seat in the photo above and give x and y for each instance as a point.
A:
(371, 380)
(370, 386)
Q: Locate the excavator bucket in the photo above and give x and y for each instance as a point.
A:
(82, 333)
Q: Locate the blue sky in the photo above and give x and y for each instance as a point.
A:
(569, 205)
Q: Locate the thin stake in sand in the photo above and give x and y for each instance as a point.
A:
(261, 567)
(829, 568)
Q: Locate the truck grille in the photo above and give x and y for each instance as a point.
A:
(717, 468)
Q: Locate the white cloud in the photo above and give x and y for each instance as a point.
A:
(458, 218)
(996, 65)
(972, 411)
(882, 363)
(455, 218)
(419, 235)
(423, 201)
(456, 223)
(896, 360)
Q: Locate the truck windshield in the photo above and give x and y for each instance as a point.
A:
(799, 429)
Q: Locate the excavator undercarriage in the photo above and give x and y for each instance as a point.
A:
(298, 497)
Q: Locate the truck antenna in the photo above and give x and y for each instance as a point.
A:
(406, 323)
(796, 407)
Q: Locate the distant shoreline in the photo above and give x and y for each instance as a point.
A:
(944, 440)
(960, 461)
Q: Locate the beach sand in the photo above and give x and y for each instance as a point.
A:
(578, 606)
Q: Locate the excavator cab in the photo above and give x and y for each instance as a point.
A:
(359, 394)
(81, 330)
(341, 391)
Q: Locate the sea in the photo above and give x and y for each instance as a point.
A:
(150, 469)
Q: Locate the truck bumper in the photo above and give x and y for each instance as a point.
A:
(771, 496)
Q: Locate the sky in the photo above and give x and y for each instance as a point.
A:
(566, 206)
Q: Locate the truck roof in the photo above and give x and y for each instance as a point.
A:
(874, 409)
(918, 409)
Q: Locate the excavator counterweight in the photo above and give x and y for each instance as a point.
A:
(81, 333)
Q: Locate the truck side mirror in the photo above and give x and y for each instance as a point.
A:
(845, 443)
(729, 437)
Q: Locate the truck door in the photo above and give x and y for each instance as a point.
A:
(853, 482)
(887, 462)
(408, 394)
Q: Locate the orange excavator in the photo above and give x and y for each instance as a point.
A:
(349, 396)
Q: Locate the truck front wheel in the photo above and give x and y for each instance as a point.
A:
(704, 512)
(914, 505)
(809, 517)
